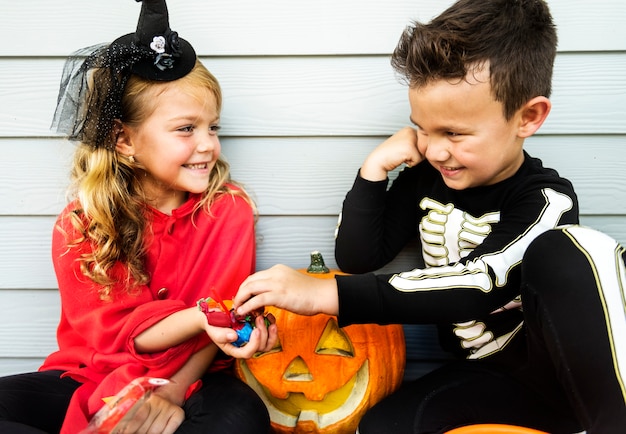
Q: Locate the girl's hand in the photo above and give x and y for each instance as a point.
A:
(262, 338)
(286, 288)
(396, 150)
(156, 414)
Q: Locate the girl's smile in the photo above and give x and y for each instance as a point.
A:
(177, 146)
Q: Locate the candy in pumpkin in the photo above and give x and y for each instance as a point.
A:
(321, 378)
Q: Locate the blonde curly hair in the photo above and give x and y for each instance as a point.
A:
(111, 201)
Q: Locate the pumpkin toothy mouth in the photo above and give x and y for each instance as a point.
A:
(334, 407)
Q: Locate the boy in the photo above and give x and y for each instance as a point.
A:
(479, 79)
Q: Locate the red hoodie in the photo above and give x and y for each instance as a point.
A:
(190, 255)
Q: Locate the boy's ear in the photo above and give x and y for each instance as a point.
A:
(123, 144)
(533, 114)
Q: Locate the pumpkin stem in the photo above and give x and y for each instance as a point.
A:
(317, 264)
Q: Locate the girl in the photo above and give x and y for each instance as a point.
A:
(154, 226)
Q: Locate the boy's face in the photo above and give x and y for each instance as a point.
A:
(462, 131)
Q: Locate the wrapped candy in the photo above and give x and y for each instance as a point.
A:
(221, 314)
(120, 408)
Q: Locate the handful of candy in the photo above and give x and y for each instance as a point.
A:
(120, 408)
(221, 314)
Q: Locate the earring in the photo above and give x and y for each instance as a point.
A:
(131, 158)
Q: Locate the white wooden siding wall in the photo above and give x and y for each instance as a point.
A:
(308, 93)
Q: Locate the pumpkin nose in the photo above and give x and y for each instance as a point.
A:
(297, 371)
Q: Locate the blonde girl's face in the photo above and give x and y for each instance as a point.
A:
(177, 146)
(463, 133)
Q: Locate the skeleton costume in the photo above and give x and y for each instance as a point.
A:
(493, 298)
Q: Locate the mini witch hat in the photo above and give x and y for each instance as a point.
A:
(170, 57)
(94, 78)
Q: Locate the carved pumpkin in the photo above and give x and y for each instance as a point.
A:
(321, 378)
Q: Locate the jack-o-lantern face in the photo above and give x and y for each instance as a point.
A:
(321, 378)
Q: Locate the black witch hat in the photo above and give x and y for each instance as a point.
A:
(94, 78)
(170, 57)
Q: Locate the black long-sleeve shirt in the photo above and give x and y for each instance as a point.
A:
(472, 241)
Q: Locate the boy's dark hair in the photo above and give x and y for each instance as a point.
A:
(516, 38)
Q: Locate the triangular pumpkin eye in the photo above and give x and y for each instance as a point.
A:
(298, 371)
(334, 341)
(277, 348)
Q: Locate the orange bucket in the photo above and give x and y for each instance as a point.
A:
(494, 429)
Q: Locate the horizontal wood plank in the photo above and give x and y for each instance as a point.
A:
(19, 365)
(28, 323)
(309, 92)
(327, 96)
(308, 176)
(9, 366)
(25, 261)
(277, 27)
(29, 319)
(13, 365)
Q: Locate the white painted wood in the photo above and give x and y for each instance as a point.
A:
(25, 261)
(26, 348)
(328, 96)
(312, 174)
(40, 311)
(18, 365)
(308, 93)
(275, 27)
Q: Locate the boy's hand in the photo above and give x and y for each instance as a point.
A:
(396, 150)
(289, 289)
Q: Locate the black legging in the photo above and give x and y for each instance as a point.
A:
(565, 382)
(35, 403)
